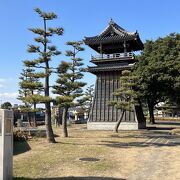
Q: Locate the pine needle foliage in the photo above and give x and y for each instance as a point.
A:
(44, 51)
(126, 96)
(30, 87)
(69, 85)
(86, 101)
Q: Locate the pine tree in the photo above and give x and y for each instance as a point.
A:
(68, 85)
(30, 88)
(126, 95)
(23, 93)
(45, 53)
(87, 100)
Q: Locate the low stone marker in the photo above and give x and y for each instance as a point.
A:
(6, 144)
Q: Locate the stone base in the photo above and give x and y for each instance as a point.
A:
(110, 125)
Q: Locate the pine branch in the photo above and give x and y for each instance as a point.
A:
(37, 98)
(28, 63)
(58, 31)
(42, 40)
(33, 49)
(44, 15)
(38, 31)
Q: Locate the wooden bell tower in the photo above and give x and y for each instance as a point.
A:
(115, 47)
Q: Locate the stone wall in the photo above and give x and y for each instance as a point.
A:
(111, 125)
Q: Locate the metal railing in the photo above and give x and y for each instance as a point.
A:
(112, 56)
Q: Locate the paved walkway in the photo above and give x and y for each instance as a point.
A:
(157, 141)
(161, 160)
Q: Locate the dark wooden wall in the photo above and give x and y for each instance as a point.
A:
(106, 84)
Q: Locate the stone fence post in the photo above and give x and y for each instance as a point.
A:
(6, 144)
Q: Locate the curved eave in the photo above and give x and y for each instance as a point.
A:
(110, 39)
(135, 43)
(96, 69)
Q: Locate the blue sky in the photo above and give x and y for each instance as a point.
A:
(79, 18)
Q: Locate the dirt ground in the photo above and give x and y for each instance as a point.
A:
(151, 154)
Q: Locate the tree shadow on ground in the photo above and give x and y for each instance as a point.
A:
(176, 123)
(148, 132)
(159, 128)
(70, 178)
(138, 144)
(21, 147)
(141, 136)
(154, 136)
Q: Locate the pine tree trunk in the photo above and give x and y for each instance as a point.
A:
(119, 122)
(89, 111)
(151, 113)
(34, 115)
(28, 119)
(60, 116)
(64, 122)
(139, 112)
(34, 119)
(49, 130)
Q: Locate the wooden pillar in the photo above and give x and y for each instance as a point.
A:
(101, 50)
(105, 98)
(117, 86)
(109, 79)
(112, 95)
(100, 100)
(125, 48)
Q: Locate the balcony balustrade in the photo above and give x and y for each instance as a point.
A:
(129, 55)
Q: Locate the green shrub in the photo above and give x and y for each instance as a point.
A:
(20, 135)
(23, 135)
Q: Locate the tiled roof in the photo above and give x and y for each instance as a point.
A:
(117, 29)
(108, 39)
(113, 33)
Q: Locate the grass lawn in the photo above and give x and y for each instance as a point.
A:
(119, 155)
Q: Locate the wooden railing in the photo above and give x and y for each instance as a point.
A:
(113, 56)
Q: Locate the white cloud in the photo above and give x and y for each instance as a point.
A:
(2, 86)
(6, 79)
(2, 80)
(9, 97)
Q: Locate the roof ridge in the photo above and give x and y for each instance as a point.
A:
(118, 29)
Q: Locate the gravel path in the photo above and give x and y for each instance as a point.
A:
(160, 158)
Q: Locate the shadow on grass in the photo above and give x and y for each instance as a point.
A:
(138, 144)
(21, 147)
(70, 178)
